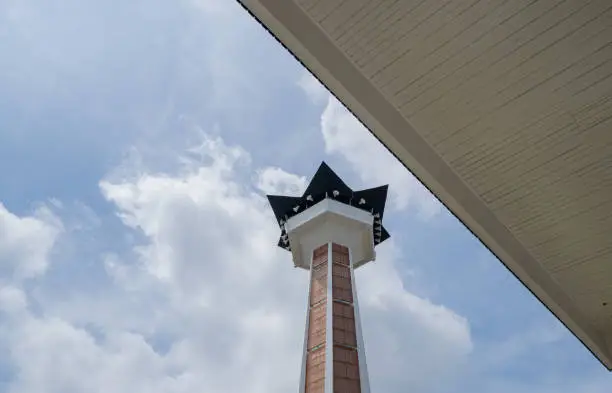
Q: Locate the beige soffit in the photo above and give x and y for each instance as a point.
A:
(304, 38)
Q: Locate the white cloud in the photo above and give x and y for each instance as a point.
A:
(278, 182)
(212, 244)
(315, 91)
(219, 307)
(12, 299)
(25, 242)
(55, 356)
(205, 302)
(346, 136)
(411, 341)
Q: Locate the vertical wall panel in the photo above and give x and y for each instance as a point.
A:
(317, 329)
(316, 326)
(345, 359)
(315, 372)
(318, 288)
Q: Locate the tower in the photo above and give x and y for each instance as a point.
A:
(330, 231)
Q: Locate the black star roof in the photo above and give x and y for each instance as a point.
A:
(326, 184)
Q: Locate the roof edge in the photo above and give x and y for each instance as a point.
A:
(315, 51)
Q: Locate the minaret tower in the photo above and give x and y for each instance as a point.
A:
(330, 231)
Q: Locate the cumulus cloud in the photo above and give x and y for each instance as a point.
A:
(221, 309)
(53, 355)
(12, 299)
(315, 91)
(25, 242)
(211, 244)
(277, 181)
(409, 337)
(202, 300)
(345, 136)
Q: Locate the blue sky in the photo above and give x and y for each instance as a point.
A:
(137, 252)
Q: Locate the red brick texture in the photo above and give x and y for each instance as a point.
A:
(316, 345)
(345, 374)
(315, 371)
(346, 362)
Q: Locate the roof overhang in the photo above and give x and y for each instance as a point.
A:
(306, 29)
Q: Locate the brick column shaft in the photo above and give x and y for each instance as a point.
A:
(345, 357)
(317, 322)
(345, 360)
